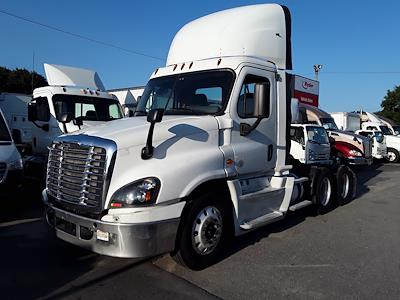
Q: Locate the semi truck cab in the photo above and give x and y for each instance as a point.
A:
(205, 157)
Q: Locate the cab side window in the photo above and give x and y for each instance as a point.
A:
(297, 135)
(246, 98)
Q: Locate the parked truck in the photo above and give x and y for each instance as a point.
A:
(350, 148)
(351, 122)
(74, 99)
(205, 157)
(11, 172)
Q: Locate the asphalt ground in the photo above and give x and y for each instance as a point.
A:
(353, 252)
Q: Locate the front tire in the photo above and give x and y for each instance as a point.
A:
(204, 231)
(393, 155)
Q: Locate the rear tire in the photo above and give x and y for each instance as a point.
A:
(393, 155)
(324, 192)
(346, 184)
(204, 231)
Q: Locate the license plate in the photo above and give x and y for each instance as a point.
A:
(102, 235)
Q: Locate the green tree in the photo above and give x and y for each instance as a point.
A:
(19, 81)
(391, 105)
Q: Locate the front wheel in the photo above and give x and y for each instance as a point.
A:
(392, 155)
(204, 232)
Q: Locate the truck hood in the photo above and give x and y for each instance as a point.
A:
(392, 140)
(358, 141)
(130, 132)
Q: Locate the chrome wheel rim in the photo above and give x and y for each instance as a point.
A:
(345, 185)
(326, 191)
(391, 156)
(207, 230)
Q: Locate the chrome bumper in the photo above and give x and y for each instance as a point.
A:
(124, 240)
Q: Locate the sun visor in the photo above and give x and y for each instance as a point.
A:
(69, 76)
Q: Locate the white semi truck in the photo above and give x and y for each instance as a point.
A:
(206, 156)
(74, 99)
(11, 171)
(351, 121)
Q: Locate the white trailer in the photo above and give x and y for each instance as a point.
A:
(15, 109)
(128, 98)
(206, 156)
(347, 121)
(11, 172)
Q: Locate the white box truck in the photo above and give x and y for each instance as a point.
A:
(347, 121)
(206, 156)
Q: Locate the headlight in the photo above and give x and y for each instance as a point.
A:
(379, 138)
(312, 155)
(16, 165)
(355, 153)
(139, 193)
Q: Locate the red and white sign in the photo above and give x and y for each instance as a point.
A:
(306, 90)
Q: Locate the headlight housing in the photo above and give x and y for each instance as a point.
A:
(379, 137)
(16, 165)
(142, 192)
(355, 153)
(312, 155)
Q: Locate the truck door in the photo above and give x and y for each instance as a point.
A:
(255, 153)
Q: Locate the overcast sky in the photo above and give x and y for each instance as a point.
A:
(355, 41)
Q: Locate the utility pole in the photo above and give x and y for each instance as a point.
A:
(317, 68)
(33, 68)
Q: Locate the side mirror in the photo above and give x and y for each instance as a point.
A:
(155, 115)
(261, 100)
(32, 112)
(65, 118)
(78, 121)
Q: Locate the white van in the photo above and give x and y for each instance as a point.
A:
(11, 171)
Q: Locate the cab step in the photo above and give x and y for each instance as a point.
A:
(263, 220)
(300, 205)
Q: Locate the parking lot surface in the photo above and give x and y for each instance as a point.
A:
(351, 252)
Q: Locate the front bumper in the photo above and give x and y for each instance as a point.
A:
(359, 161)
(124, 240)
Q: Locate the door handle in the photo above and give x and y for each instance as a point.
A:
(270, 149)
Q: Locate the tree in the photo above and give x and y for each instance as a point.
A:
(19, 81)
(391, 105)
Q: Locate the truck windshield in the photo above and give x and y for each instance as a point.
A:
(197, 93)
(87, 108)
(4, 133)
(385, 130)
(329, 123)
(317, 135)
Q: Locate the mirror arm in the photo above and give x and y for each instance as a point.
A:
(147, 151)
(44, 127)
(245, 128)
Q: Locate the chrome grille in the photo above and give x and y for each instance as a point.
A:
(3, 171)
(367, 148)
(76, 173)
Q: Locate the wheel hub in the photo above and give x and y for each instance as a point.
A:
(207, 230)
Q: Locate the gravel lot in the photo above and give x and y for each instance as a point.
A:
(352, 252)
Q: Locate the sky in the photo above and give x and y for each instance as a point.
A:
(356, 42)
